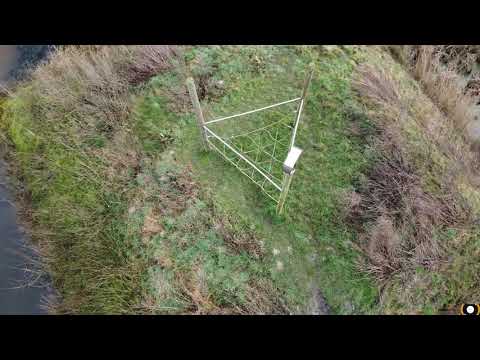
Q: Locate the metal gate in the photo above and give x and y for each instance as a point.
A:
(256, 151)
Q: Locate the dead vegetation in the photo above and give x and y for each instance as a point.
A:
(441, 84)
(449, 76)
(462, 57)
(88, 90)
(412, 194)
(239, 241)
(90, 85)
(149, 61)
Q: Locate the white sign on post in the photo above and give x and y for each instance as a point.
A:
(291, 160)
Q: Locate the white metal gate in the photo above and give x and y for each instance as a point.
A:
(255, 152)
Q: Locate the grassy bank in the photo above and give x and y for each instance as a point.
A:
(132, 216)
(418, 207)
(314, 250)
(56, 123)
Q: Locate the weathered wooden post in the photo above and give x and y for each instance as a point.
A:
(288, 171)
(294, 152)
(306, 85)
(198, 110)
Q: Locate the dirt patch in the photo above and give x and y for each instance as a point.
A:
(238, 242)
(179, 191)
(318, 304)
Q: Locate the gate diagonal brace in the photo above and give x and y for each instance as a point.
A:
(267, 172)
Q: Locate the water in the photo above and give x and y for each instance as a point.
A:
(17, 293)
(8, 59)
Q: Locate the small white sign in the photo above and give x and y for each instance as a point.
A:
(291, 160)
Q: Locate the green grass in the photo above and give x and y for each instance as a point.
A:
(133, 216)
(75, 212)
(314, 246)
(224, 249)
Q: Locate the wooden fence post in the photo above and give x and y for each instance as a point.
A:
(287, 180)
(306, 85)
(198, 110)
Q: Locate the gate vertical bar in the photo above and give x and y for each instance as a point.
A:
(198, 111)
(287, 180)
(287, 176)
(306, 85)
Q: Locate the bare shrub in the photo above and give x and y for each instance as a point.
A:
(150, 60)
(473, 87)
(388, 182)
(378, 86)
(398, 219)
(462, 57)
(394, 190)
(383, 250)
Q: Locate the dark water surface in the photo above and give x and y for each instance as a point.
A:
(8, 59)
(17, 293)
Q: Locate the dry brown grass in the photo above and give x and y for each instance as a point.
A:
(238, 242)
(383, 249)
(440, 69)
(398, 217)
(379, 86)
(150, 60)
(90, 85)
(83, 84)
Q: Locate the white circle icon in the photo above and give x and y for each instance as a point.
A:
(470, 309)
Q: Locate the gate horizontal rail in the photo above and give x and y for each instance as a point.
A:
(241, 157)
(252, 111)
